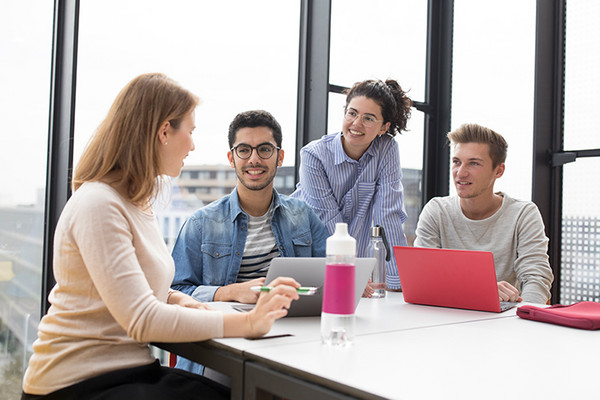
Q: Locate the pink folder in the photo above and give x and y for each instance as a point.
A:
(582, 315)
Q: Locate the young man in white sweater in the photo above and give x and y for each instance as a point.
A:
(478, 218)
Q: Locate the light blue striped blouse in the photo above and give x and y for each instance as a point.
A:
(360, 193)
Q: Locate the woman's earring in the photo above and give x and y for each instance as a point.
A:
(166, 143)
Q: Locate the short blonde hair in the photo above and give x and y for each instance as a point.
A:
(474, 133)
(127, 139)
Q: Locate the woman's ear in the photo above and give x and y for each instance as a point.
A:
(384, 129)
(163, 131)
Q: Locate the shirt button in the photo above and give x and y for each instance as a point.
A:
(243, 227)
(216, 254)
(238, 253)
(281, 247)
(308, 242)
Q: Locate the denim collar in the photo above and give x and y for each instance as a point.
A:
(234, 204)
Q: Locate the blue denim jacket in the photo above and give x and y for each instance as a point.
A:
(208, 251)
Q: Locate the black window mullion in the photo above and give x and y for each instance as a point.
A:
(313, 74)
(438, 94)
(548, 125)
(61, 124)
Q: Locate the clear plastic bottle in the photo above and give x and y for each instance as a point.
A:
(337, 317)
(379, 249)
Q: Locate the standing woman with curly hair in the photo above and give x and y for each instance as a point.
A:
(113, 270)
(355, 176)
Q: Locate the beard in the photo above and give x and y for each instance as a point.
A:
(255, 185)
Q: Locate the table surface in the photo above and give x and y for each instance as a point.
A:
(372, 316)
(468, 360)
(411, 351)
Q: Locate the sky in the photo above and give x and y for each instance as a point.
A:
(235, 63)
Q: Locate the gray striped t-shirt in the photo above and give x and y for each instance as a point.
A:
(260, 248)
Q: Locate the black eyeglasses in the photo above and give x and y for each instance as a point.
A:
(264, 150)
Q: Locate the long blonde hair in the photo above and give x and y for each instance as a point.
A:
(127, 140)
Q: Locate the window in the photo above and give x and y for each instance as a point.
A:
(25, 45)
(380, 40)
(233, 62)
(580, 248)
(489, 87)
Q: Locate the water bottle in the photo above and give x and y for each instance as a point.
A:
(379, 249)
(337, 317)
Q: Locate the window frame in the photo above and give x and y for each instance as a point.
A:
(313, 91)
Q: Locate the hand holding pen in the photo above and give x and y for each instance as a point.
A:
(272, 305)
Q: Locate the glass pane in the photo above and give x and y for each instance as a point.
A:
(411, 158)
(25, 45)
(582, 81)
(379, 39)
(490, 87)
(235, 55)
(580, 268)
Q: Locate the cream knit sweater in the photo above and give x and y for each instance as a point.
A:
(113, 271)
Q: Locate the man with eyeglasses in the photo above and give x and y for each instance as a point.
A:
(226, 247)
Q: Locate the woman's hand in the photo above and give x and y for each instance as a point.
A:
(184, 300)
(269, 307)
(272, 305)
(368, 292)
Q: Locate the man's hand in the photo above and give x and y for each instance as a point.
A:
(239, 292)
(508, 292)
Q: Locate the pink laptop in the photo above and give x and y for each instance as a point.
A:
(449, 278)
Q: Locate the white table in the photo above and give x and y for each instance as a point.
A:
(399, 331)
(372, 316)
(481, 359)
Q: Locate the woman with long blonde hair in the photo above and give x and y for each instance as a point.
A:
(113, 269)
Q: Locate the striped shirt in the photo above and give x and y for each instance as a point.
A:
(360, 193)
(260, 247)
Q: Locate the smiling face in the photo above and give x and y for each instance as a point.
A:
(473, 172)
(175, 145)
(255, 173)
(356, 137)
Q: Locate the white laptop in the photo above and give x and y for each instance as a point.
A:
(310, 271)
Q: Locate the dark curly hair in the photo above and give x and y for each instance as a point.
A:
(395, 104)
(253, 119)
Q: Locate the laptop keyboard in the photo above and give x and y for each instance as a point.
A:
(506, 305)
(243, 307)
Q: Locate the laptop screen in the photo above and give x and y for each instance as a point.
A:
(448, 278)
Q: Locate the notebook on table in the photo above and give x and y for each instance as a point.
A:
(449, 278)
(310, 271)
